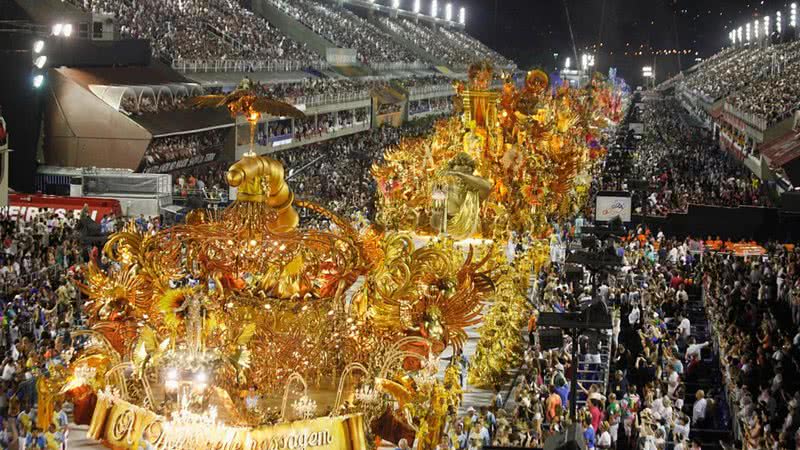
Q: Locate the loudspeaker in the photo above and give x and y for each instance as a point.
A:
(550, 338)
(574, 273)
(571, 439)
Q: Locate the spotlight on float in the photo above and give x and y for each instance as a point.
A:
(434, 8)
(40, 61)
(448, 12)
(462, 16)
(38, 81)
(38, 46)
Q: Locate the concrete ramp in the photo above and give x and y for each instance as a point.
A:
(291, 26)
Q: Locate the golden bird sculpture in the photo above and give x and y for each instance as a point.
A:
(250, 100)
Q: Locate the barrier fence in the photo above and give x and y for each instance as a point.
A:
(245, 65)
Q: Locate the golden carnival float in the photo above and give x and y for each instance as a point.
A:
(241, 330)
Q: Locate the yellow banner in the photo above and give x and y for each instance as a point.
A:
(121, 425)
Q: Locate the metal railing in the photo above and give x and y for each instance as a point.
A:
(329, 98)
(245, 65)
(751, 119)
(432, 89)
(416, 65)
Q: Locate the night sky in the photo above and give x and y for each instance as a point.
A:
(530, 31)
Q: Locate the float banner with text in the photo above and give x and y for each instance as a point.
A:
(121, 425)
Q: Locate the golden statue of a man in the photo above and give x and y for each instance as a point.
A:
(463, 197)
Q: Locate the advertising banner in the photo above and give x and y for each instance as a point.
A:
(612, 205)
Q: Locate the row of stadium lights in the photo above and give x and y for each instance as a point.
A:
(448, 10)
(40, 59)
(753, 32)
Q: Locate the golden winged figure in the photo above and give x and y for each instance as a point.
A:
(250, 100)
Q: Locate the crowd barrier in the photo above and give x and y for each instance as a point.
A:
(744, 222)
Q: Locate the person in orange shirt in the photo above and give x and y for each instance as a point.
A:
(532, 327)
(552, 404)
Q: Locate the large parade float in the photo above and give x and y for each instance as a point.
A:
(242, 330)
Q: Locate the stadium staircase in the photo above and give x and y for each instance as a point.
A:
(718, 429)
(405, 42)
(291, 27)
(294, 29)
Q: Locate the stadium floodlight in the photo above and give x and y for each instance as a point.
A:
(434, 8)
(778, 22)
(38, 46)
(591, 60)
(417, 6)
(448, 12)
(38, 80)
(57, 28)
(396, 4)
(766, 26)
(756, 28)
(793, 15)
(67, 30)
(462, 16)
(40, 61)
(567, 63)
(584, 61)
(747, 31)
(739, 35)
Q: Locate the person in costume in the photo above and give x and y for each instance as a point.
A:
(464, 195)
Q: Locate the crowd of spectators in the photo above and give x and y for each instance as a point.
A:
(656, 359)
(758, 80)
(681, 164)
(39, 310)
(344, 28)
(754, 306)
(212, 29)
(436, 104)
(311, 127)
(299, 91)
(451, 47)
(185, 146)
(775, 96)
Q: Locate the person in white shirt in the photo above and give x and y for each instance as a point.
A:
(633, 317)
(604, 439)
(699, 408)
(8, 370)
(673, 380)
(694, 349)
(684, 327)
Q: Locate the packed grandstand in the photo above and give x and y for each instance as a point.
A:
(669, 261)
